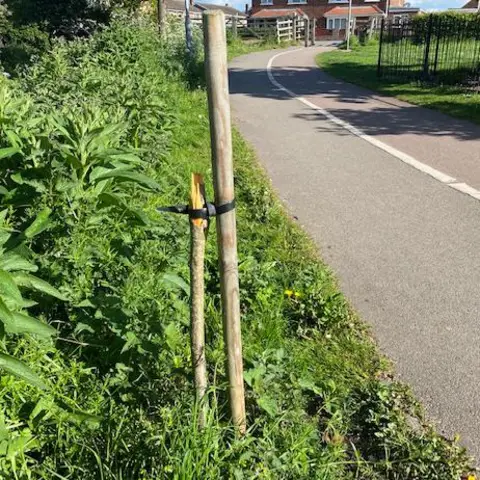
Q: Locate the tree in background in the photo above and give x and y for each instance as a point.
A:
(27, 26)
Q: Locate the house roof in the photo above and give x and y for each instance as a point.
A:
(364, 11)
(471, 4)
(179, 6)
(226, 9)
(278, 12)
(404, 10)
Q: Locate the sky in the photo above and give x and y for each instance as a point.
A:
(427, 5)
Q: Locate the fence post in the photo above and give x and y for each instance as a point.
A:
(379, 64)
(438, 31)
(197, 295)
(314, 26)
(161, 17)
(277, 31)
(188, 30)
(307, 30)
(294, 29)
(428, 39)
(222, 165)
(234, 26)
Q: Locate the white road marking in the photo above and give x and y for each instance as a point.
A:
(404, 157)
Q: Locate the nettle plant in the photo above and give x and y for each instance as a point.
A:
(15, 277)
(95, 166)
(75, 165)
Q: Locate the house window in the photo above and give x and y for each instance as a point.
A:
(296, 1)
(266, 2)
(400, 19)
(337, 23)
(337, 1)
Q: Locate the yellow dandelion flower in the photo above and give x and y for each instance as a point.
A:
(288, 293)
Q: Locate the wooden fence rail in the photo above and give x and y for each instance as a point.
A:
(284, 29)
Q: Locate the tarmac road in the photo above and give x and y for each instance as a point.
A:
(378, 186)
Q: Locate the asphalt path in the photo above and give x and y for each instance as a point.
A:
(379, 184)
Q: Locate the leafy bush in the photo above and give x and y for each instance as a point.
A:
(21, 45)
(448, 23)
(370, 40)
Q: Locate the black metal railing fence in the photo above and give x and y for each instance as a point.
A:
(432, 48)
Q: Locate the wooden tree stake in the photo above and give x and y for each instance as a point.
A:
(307, 30)
(222, 163)
(197, 294)
(162, 18)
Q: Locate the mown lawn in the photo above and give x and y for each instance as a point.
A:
(95, 136)
(360, 67)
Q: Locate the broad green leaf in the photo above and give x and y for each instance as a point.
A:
(11, 261)
(109, 198)
(19, 369)
(131, 341)
(172, 336)
(140, 216)
(176, 281)
(4, 435)
(127, 157)
(80, 416)
(99, 171)
(6, 316)
(129, 176)
(30, 281)
(252, 375)
(309, 385)
(13, 138)
(8, 288)
(25, 324)
(269, 405)
(3, 191)
(85, 304)
(83, 327)
(8, 152)
(41, 223)
(17, 178)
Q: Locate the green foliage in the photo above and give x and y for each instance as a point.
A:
(22, 44)
(54, 15)
(93, 137)
(370, 41)
(449, 23)
(354, 42)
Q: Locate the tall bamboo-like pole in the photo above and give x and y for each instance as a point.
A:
(197, 295)
(349, 21)
(307, 30)
(314, 27)
(222, 163)
(188, 29)
(162, 18)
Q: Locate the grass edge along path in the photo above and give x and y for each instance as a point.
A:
(359, 66)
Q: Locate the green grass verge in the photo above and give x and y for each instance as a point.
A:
(118, 404)
(360, 67)
(237, 46)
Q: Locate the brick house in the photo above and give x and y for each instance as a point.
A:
(331, 15)
(472, 6)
